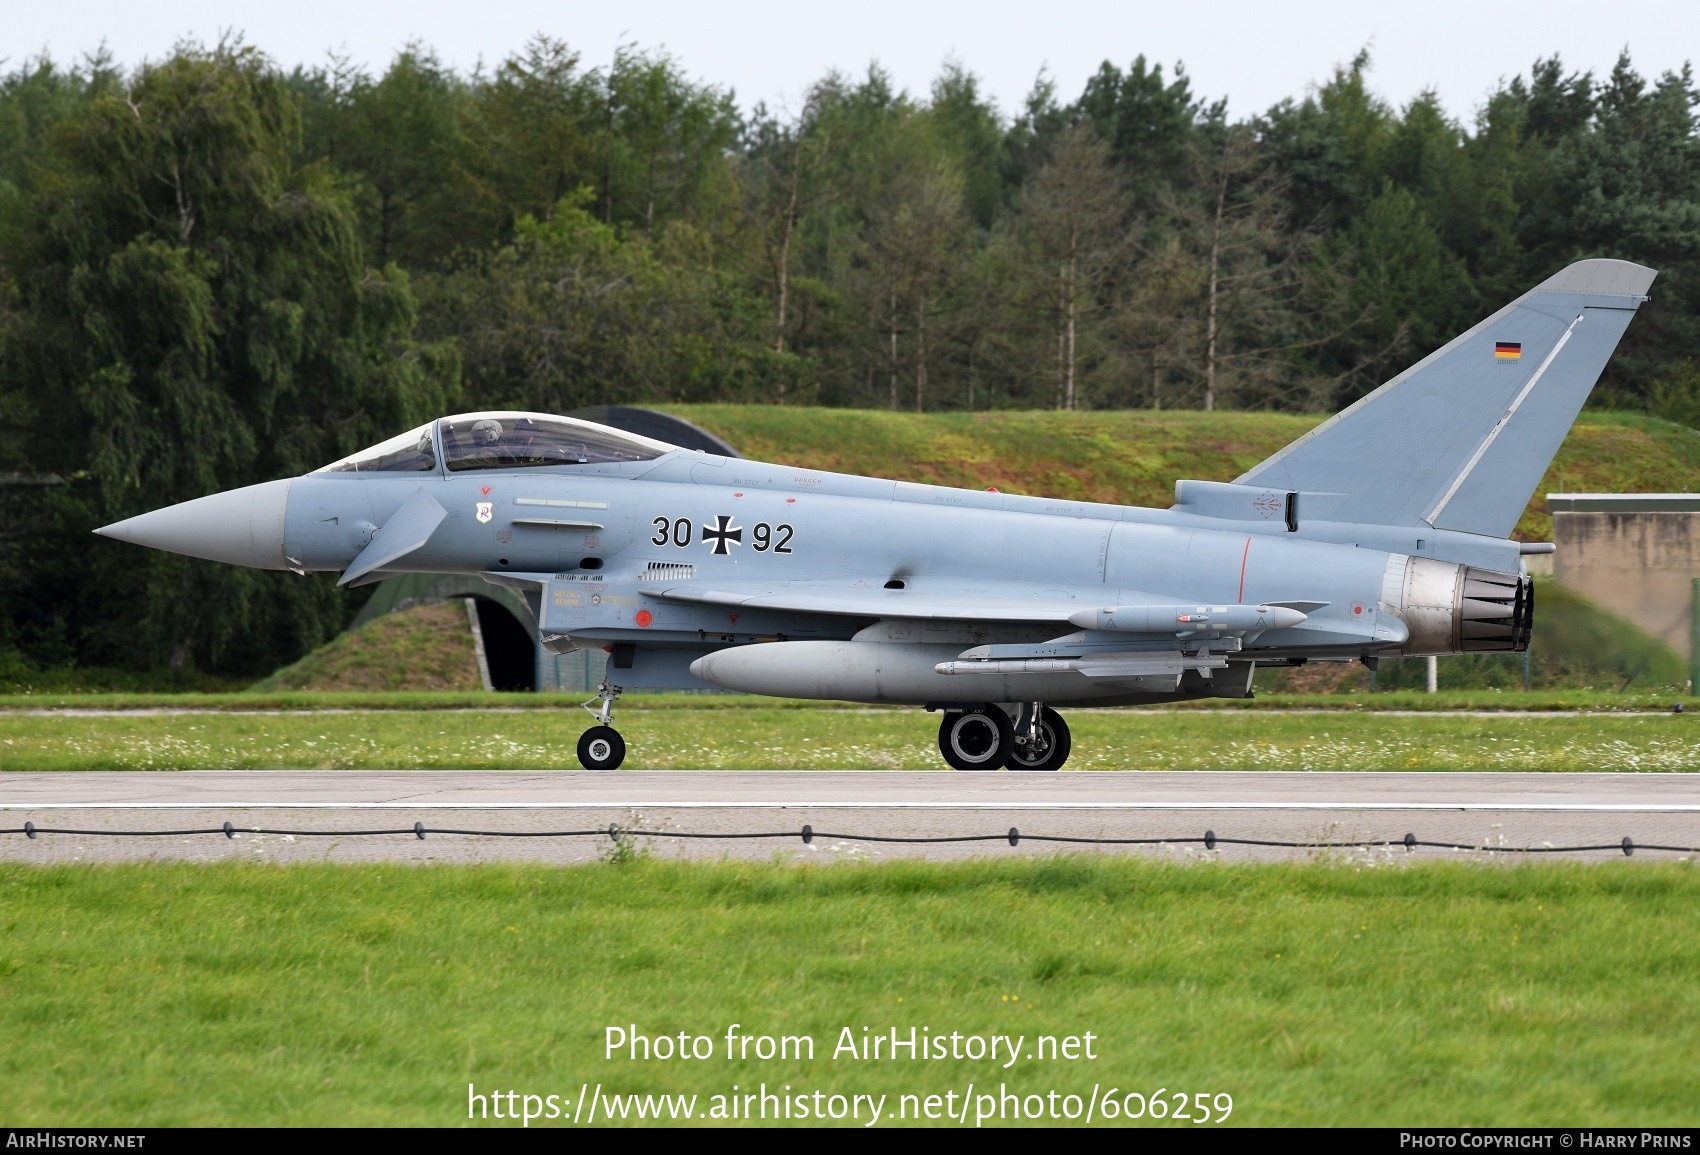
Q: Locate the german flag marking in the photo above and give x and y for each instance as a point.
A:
(1507, 350)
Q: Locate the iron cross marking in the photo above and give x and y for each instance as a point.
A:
(722, 533)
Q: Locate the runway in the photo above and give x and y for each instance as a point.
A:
(1322, 811)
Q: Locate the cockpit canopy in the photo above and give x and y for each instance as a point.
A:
(500, 441)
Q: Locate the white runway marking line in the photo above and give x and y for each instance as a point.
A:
(655, 804)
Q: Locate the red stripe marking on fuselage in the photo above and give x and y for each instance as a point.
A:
(1243, 556)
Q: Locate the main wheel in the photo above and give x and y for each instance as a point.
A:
(601, 748)
(976, 740)
(1049, 748)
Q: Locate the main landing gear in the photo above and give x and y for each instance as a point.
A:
(984, 737)
(601, 747)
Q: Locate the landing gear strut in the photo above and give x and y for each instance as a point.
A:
(1041, 739)
(601, 747)
(984, 738)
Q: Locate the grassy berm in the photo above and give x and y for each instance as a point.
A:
(1133, 457)
(1324, 994)
(425, 648)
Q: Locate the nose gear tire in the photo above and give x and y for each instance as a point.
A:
(1049, 751)
(976, 739)
(601, 748)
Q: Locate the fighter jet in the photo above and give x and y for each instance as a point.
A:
(1383, 532)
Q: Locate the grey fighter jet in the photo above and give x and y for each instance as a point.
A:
(1382, 532)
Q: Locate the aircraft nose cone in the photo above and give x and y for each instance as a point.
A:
(241, 526)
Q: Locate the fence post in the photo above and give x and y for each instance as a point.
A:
(1433, 673)
(1694, 637)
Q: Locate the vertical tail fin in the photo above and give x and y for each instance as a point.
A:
(1461, 439)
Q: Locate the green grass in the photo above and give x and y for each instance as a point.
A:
(1320, 994)
(751, 734)
(1638, 698)
(424, 648)
(1133, 457)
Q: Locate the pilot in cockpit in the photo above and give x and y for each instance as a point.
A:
(486, 438)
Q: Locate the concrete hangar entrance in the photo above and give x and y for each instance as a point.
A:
(504, 627)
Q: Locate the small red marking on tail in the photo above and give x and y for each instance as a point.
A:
(485, 489)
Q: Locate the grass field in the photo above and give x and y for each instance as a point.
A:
(1313, 994)
(1636, 699)
(754, 734)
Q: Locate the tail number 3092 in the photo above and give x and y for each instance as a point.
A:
(678, 531)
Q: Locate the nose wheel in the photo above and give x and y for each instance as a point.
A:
(601, 747)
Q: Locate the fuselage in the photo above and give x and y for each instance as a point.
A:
(595, 547)
(697, 570)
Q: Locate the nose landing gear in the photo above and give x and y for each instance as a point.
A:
(601, 747)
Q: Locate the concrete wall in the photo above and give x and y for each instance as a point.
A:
(1638, 565)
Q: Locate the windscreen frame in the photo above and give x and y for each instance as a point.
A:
(359, 460)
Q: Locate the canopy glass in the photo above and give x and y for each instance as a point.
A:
(500, 441)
